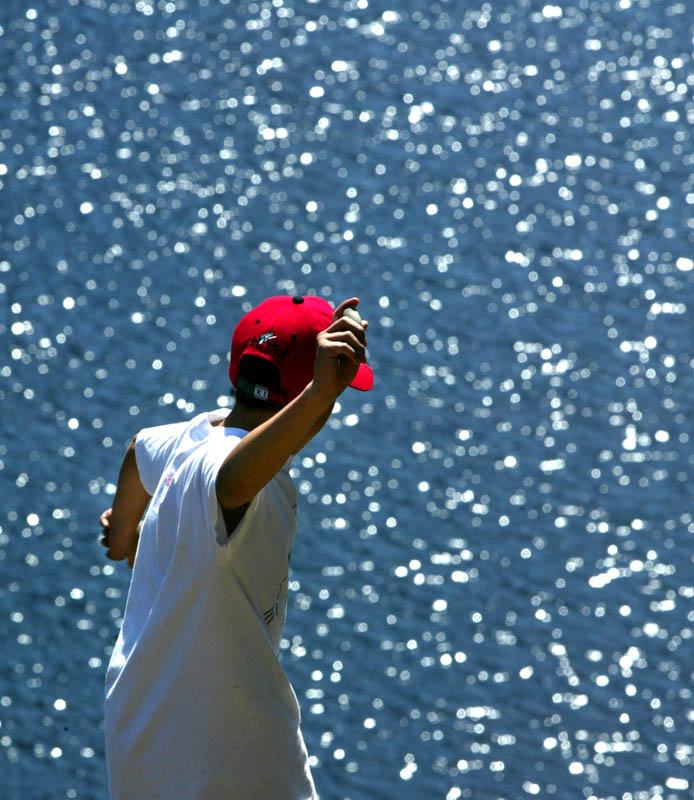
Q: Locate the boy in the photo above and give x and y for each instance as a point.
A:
(197, 704)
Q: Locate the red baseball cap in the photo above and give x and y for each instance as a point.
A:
(283, 330)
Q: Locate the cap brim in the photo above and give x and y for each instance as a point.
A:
(364, 379)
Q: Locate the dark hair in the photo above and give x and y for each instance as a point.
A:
(256, 370)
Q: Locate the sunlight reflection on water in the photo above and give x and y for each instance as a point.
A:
(491, 592)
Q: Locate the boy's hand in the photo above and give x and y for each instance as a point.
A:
(341, 348)
(105, 522)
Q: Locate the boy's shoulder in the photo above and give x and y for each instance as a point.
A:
(199, 423)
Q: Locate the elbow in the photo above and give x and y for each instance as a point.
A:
(121, 542)
(115, 555)
(117, 551)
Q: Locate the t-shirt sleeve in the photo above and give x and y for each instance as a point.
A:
(153, 449)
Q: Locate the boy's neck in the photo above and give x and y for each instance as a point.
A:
(247, 418)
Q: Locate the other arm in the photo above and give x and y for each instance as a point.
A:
(122, 525)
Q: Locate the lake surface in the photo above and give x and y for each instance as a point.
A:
(492, 587)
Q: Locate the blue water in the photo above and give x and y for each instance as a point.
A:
(492, 588)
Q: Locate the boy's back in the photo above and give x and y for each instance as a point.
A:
(194, 685)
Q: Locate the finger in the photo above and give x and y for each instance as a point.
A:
(349, 338)
(357, 346)
(347, 324)
(340, 310)
(342, 350)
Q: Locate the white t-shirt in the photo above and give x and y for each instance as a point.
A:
(197, 704)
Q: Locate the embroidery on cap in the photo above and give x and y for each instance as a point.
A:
(266, 340)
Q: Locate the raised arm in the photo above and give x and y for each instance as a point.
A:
(260, 455)
(122, 525)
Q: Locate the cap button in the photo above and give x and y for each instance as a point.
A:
(297, 300)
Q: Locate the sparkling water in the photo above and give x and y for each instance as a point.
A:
(492, 586)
